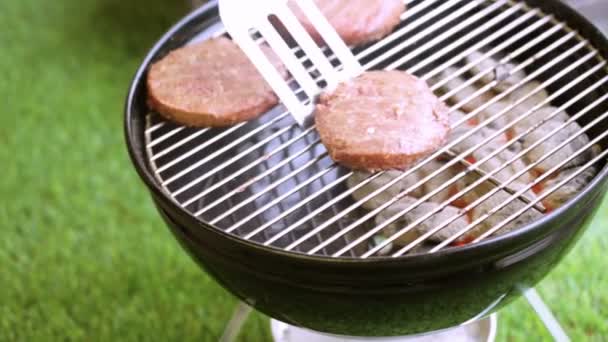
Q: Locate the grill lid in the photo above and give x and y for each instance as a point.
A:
(271, 182)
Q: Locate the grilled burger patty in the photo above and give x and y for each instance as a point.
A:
(381, 120)
(210, 84)
(357, 21)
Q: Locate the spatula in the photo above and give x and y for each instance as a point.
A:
(243, 19)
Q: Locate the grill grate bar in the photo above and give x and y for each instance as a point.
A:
(321, 204)
(405, 15)
(167, 135)
(278, 199)
(231, 130)
(241, 171)
(255, 179)
(527, 188)
(499, 97)
(467, 67)
(211, 156)
(437, 154)
(319, 210)
(417, 167)
(460, 26)
(514, 23)
(456, 178)
(221, 151)
(147, 136)
(411, 26)
(178, 144)
(465, 210)
(237, 157)
(374, 47)
(288, 230)
(439, 24)
(194, 150)
(520, 67)
(547, 174)
(517, 156)
(200, 147)
(575, 117)
(201, 131)
(496, 49)
(589, 164)
(324, 226)
(302, 203)
(155, 127)
(473, 168)
(272, 186)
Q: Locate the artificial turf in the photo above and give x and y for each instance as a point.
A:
(84, 255)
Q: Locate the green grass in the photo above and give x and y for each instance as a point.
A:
(84, 255)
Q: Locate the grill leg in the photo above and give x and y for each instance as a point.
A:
(233, 328)
(545, 314)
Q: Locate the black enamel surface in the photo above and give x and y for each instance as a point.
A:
(381, 299)
(379, 296)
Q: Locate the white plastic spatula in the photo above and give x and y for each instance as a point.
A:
(244, 17)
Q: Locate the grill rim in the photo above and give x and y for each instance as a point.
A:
(134, 130)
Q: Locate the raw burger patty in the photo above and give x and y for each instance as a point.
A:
(211, 83)
(357, 21)
(381, 120)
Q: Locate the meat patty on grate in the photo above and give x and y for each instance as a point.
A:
(211, 83)
(381, 120)
(356, 21)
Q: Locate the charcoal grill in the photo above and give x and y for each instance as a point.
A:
(264, 210)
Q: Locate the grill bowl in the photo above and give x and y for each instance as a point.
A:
(378, 296)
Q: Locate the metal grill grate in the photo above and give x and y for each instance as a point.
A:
(271, 182)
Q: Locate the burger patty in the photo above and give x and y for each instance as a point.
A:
(357, 21)
(381, 120)
(210, 84)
